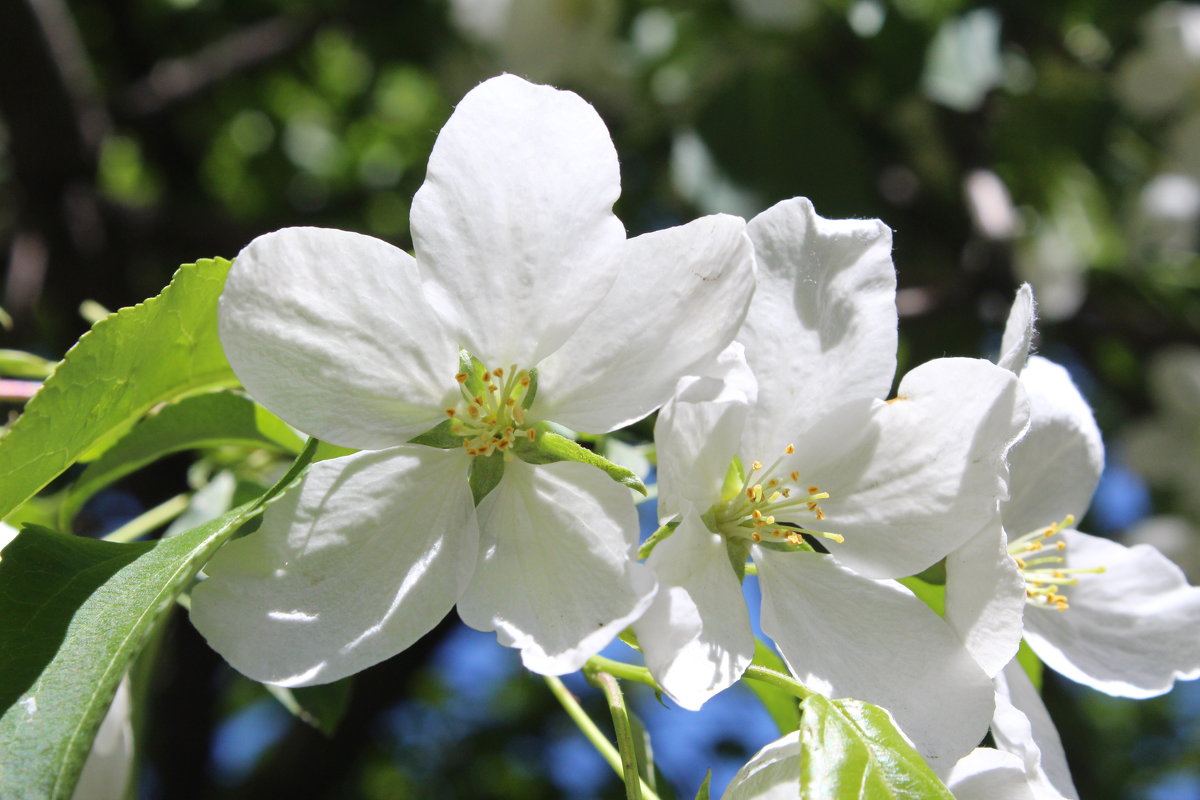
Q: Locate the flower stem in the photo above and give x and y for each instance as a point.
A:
(778, 680)
(620, 669)
(620, 715)
(591, 732)
(143, 524)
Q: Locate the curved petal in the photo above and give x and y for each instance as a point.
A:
(921, 474)
(350, 567)
(773, 773)
(844, 635)
(822, 324)
(1056, 466)
(987, 774)
(698, 432)
(696, 634)
(329, 330)
(680, 297)
(985, 599)
(1129, 632)
(1023, 727)
(1018, 331)
(556, 577)
(514, 222)
(105, 774)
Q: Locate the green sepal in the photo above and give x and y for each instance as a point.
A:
(931, 594)
(851, 749)
(735, 478)
(659, 535)
(475, 371)
(440, 436)
(738, 551)
(530, 390)
(1031, 664)
(486, 472)
(549, 447)
(702, 792)
(630, 638)
(935, 574)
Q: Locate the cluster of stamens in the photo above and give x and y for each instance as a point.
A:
(765, 506)
(1041, 564)
(492, 419)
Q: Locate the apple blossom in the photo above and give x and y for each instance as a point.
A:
(524, 303)
(888, 488)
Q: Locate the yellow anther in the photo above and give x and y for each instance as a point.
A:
(756, 465)
(532, 434)
(524, 380)
(757, 537)
(1060, 546)
(450, 412)
(814, 489)
(498, 372)
(795, 476)
(756, 514)
(775, 497)
(821, 515)
(461, 377)
(772, 482)
(1061, 605)
(789, 449)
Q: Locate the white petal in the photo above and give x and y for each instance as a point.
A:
(696, 634)
(985, 599)
(773, 773)
(1018, 331)
(680, 298)
(987, 774)
(330, 331)
(1131, 631)
(514, 222)
(350, 567)
(556, 577)
(698, 432)
(843, 635)
(105, 774)
(1023, 727)
(1056, 466)
(822, 324)
(923, 473)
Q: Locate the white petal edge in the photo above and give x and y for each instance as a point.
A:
(698, 432)
(362, 558)
(773, 773)
(331, 332)
(1131, 631)
(696, 635)
(822, 327)
(843, 635)
(680, 297)
(985, 599)
(988, 774)
(1023, 727)
(1018, 331)
(514, 224)
(1056, 466)
(556, 576)
(922, 473)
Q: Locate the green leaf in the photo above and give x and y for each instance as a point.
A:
(486, 472)
(74, 613)
(851, 749)
(702, 792)
(932, 595)
(779, 704)
(550, 447)
(130, 362)
(206, 420)
(321, 706)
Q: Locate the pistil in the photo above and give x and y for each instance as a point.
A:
(491, 418)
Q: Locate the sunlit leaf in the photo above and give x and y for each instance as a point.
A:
(141, 356)
(852, 749)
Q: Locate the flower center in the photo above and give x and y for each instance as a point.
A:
(1042, 565)
(491, 413)
(766, 505)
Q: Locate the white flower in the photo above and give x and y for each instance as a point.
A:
(521, 263)
(895, 484)
(773, 773)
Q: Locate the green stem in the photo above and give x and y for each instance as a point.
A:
(778, 680)
(620, 715)
(139, 526)
(620, 669)
(663, 532)
(590, 731)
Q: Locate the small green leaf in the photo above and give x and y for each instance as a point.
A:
(206, 420)
(141, 356)
(321, 706)
(779, 704)
(702, 792)
(440, 436)
(486, 472)
(851, 749)
(74, 613)
(550, 447)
